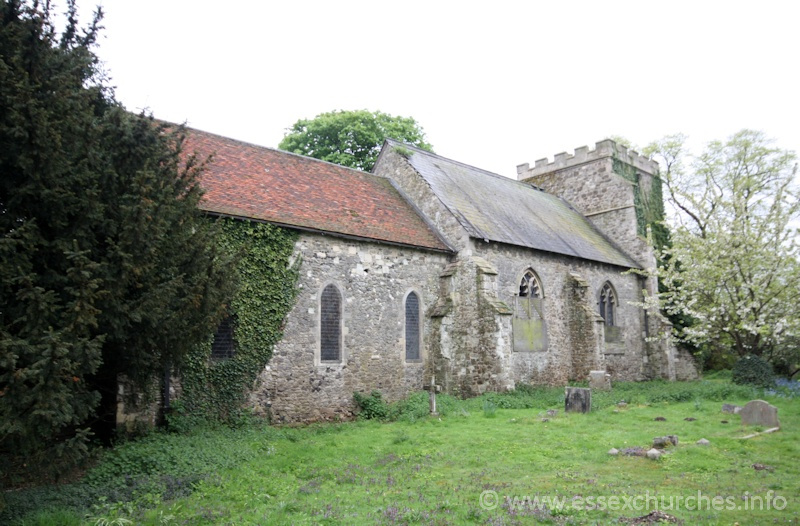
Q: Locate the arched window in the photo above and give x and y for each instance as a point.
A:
(530, 287)
(224, 344)
(413, 332)
(608, 304)
(330, 327)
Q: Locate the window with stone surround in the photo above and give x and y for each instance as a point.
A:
(528, 327)
(413, 327)
(224, 344)
(608, 304)
(330, 326)
(608, 311)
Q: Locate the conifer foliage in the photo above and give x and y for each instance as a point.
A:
(106, 264)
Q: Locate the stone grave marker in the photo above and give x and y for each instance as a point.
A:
(577, 400)
(432, 390)
(760, 413)
(599, 380)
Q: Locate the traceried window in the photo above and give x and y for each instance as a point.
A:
(412, 327)
(224, 344)
(527, 324)
(608, 304)
(330, 326)
(529, 286)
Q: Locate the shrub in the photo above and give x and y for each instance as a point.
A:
(372, 406)
(753, 370)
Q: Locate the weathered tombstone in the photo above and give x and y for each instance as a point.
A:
(760, 413)
(599, 380)
(432, 390)
(577, 400)
(731, 409)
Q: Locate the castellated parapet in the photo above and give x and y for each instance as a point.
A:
(603, 149)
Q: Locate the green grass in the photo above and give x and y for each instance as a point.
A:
(422, 470)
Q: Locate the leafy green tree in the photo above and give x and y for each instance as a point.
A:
(106, 264)
(351, 138)
(732, 267)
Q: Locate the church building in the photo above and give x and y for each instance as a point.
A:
(431, 268)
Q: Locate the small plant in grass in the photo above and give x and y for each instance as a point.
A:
(489, 409)
(372, 406)
(400, 437)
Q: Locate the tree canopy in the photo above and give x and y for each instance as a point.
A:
(732, 266)
(106, 264)
(351, 138)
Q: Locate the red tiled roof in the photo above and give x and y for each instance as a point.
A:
(249, 181)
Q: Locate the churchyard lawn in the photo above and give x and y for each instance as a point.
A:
(482, 461)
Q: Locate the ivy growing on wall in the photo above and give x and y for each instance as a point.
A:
(266, 291)
(648, 203)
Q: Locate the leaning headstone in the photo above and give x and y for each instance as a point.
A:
(599, 380)
(577, 400)
(702, 442)
(731, 409)
(760, 413)
(654, 454)
(665, 441)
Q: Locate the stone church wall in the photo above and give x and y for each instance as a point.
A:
(374, 280)
(556, 364)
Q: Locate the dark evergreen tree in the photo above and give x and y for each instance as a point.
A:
(107, 265)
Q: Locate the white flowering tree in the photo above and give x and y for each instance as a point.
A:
(732, 266)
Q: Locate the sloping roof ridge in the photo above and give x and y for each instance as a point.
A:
(487, 172)
(278, 150)
(507, 180)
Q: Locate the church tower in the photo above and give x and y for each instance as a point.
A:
(620, 192)
(616, 188)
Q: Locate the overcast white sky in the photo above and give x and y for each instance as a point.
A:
(493, 84)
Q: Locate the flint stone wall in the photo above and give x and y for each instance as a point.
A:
(373, 280)
(570, 355)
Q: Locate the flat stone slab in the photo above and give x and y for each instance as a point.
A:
(760, 413)
(731, 409)
(654, 454)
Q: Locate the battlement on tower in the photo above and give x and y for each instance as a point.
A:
(604, 149)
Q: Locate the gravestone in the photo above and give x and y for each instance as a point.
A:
(432, 390)
(577, 400)
(599, 380)
(760, 413)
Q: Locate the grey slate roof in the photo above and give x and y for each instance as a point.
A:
(496, 208)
